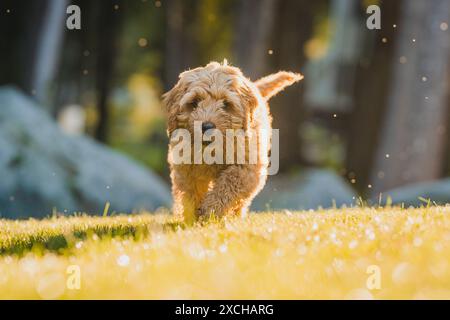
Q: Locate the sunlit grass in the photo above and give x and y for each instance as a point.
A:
(285, 255)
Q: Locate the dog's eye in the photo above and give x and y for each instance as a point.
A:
(226, 105)
(194, 104)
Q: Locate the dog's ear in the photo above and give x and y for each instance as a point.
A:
(169, 98)
(269, 86)
(171, 104)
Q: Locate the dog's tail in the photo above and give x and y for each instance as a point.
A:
(270, 85)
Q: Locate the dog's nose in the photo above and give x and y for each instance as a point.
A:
(207, 126)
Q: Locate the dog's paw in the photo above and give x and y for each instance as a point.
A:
(206, 213)
(203, 212)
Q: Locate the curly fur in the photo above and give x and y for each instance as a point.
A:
(224, 97)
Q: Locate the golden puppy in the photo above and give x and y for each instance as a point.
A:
(220, 98)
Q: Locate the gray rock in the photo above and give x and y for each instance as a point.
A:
(437, 191)
(42, 168)
(308, 190)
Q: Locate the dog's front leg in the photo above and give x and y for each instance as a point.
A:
(232, 192)
(188, 189)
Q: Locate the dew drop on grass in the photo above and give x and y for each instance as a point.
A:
(223, 248)
(123, 260)
(417, 242)
(401, 273)
(359, 294)
(353, 244)
(302, 250)
(51, 286)
(29, 266)
(438, 247)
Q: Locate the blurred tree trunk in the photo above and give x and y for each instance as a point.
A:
(48, 50)
(108, 29)
(255, 24)
(370, 95)
(35, 45)
(412, 142)
(293, 26)
(180, 42)
(74, 53)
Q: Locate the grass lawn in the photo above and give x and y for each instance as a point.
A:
(339, 253)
